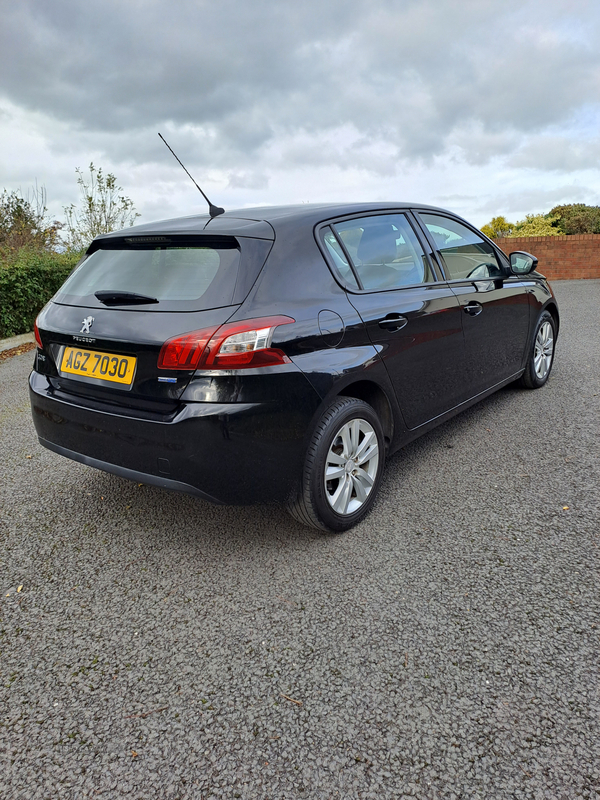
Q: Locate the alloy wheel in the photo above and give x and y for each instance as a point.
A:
(351, 466)
(544, 350)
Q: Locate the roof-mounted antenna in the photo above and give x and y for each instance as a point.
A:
(214, 211)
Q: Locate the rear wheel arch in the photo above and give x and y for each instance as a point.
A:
(375, 396)
(343, 467)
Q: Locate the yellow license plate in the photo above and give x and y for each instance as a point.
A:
(92, 364)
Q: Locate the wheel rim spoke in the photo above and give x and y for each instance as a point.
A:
(369, 454)
(346, 442)
(331, 473)
(341, 498)
(354, 434)
(363, 451)
(359, 489)
(363, 478)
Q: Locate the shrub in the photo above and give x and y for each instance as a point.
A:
(532, 225)
(536, 225)
(24, 222)
(27, 281)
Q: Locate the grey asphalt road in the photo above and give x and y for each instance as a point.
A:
(161, 647)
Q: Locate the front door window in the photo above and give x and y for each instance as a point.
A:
(466, 255)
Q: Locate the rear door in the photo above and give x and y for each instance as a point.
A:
(412, 317)
(495, 304)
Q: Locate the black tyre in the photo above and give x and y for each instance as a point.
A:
(541, 357)
(342, 469)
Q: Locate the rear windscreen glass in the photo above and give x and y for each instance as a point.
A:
(178, 277)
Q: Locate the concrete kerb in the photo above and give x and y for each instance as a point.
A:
(15, 341)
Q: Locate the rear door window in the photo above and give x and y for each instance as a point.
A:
(339, 257)
(384, 250)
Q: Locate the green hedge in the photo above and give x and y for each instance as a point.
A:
(28, 279)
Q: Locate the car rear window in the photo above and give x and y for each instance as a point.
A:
(179, 275)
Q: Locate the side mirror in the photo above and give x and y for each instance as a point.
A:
(522, 263)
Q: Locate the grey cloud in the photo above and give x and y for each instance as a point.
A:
(559, 153)
(457, 198)
(478, 145)
(520, 203)
(346, 150)
(248, 180)
(230, 79)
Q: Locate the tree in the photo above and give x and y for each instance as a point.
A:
(24, 222)
(103, 209)
(576, 218)
(497, 228)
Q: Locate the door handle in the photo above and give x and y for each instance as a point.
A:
(473, 309)
(393, 322)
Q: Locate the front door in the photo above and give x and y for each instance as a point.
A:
(495, 305)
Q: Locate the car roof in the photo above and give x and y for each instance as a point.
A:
(262, 221)
(302, 211)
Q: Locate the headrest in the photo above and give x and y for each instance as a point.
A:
(377, 244)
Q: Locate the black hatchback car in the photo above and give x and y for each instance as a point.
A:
(282, 353)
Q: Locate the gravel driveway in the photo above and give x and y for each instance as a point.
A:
(155, 646)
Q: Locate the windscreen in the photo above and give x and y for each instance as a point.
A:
(179, 276)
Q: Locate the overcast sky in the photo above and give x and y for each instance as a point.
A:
(485, 107)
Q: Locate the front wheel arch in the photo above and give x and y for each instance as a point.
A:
(540, 357)
(552, 309)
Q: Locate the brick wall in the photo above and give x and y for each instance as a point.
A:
(560, 257)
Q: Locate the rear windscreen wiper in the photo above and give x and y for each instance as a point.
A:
(118, 298)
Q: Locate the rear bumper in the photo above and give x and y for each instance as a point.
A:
(130, 474)
(233, 453)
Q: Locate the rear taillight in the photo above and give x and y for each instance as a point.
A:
(236, 345)
(36, 333)
(183, 352)
(245, 344)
